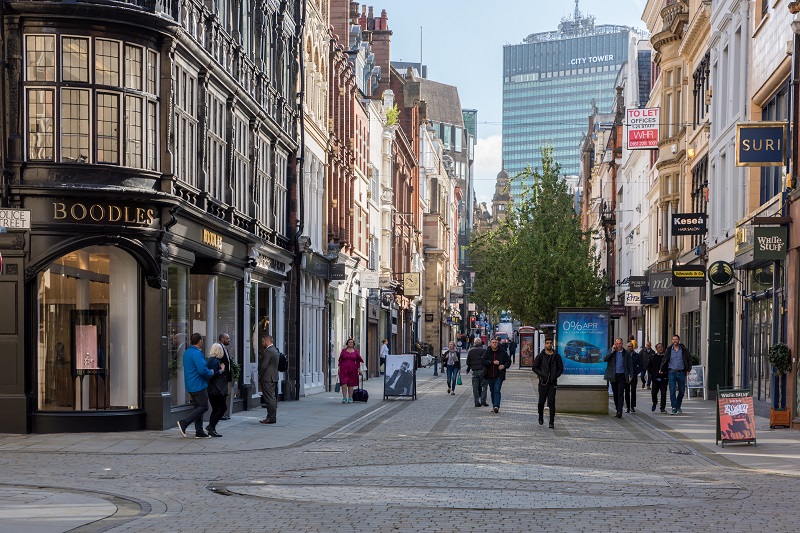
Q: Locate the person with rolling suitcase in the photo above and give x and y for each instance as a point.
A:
(360, 394)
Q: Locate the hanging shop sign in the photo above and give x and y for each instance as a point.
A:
(760, 144)
(647, 299)
(411, 284)
(689, 276)
(720, 273)
(642, 126)
(689, 224)
(637, 283)
(336, 272)
(769, 243)
(618, 311)
(633, 299)
(660, 285)
(370, 280)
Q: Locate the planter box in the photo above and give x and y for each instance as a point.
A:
(779, 418)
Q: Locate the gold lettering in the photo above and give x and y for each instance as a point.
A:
(74, 209)
(97, 207)
(139, 215)
(746, 145)
(59, 211)
(114, 213)
(150, 216)
(127, 216)
(769, 144)
(758, 145)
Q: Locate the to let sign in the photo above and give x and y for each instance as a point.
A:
(760, 144)
(642, 128)
(769, 243)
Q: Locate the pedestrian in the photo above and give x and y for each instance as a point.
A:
(657, 369)
(475, 365)
(217, 388)
(195, 376)
(472, 340)
(453, 361)
(678, 365)
(512, 349)
(495, 361)
(225, 340)
(632, 340)
(349, 370)
(630, 386)
(268, 377)
(618, 372)
(646, 353)
(384, 353)
(549, 367)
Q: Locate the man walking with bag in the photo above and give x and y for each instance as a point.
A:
(549, 367)
(475, 364)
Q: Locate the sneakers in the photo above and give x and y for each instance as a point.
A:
(628, 410)
(633, 409)
(496, 409)
(212, 432)
(202, 436)
(349, 400)
(181, 429)
(674, 411)
(453, 393)
(679, 411)
(653, 408)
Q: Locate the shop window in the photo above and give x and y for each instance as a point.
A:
(88, 329)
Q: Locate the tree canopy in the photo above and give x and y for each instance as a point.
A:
(539, 258)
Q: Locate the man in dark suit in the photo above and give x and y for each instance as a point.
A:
(268, 377)
(225, 340)
(619, 372)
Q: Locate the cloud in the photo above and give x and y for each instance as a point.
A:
(488, 163)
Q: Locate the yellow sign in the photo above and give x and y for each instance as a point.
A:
(689, 273)
(212, 239)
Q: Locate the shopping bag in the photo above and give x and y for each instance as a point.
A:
(458, 379)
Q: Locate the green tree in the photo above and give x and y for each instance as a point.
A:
(539, 258)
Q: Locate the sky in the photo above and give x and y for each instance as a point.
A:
(462, 45)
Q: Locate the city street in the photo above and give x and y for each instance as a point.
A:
(434, 464)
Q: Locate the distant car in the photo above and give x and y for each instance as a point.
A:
(582, 351)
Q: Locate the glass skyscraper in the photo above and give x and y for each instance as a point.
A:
(551, 82)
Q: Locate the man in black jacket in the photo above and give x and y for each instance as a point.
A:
(495, 361)
(657, 369)
(646, 353)
(549, 367)
(475, 365)
(618, 372)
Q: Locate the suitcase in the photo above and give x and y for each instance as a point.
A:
(359, 394)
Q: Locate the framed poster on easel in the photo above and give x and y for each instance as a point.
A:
(735, 416)
(400, 378)
(695, 380)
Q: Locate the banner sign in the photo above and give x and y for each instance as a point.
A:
(689, 224)
(660, 284)
(720, 273)
(400, 378)
(647, 299)
(689, 276)
(582, 340)
(618, 310)
(735, 416)
(642, 127)
(633, 299)
(637, 283)
(760, 144)
(769, 242)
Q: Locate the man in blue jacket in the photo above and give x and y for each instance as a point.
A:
(196, 376)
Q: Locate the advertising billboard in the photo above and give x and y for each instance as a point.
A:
(642, 125)
(582, 340)
(735, 416)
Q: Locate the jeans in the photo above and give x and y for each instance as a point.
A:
(547, 392)
(660, 385)
(479, 386)
(452, 375)
(495, 384)
(677, 379)
(618, 386)
(199, 402)
(646, 381)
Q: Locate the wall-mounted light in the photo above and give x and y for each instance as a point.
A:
(690, 152)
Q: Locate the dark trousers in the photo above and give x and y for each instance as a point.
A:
(218, 408)
(660, 385)
(547, 392)
(618, 387)
(630, 393)
(199, 403)
(269, 389)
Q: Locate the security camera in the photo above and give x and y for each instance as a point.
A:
(674, 148)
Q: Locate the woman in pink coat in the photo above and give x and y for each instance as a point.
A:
(349, 370)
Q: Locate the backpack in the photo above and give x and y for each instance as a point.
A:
(283, 363)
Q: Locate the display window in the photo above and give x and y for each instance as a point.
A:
(88, 332)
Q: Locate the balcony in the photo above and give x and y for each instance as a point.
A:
(675, 17)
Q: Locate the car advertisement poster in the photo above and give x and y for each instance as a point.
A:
(582, 340)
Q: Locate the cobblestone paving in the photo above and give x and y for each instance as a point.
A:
(435, 464)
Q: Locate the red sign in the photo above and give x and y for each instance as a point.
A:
(736, 417)
(642, 127)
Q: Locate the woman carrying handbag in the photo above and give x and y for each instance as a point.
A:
(452, 358)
